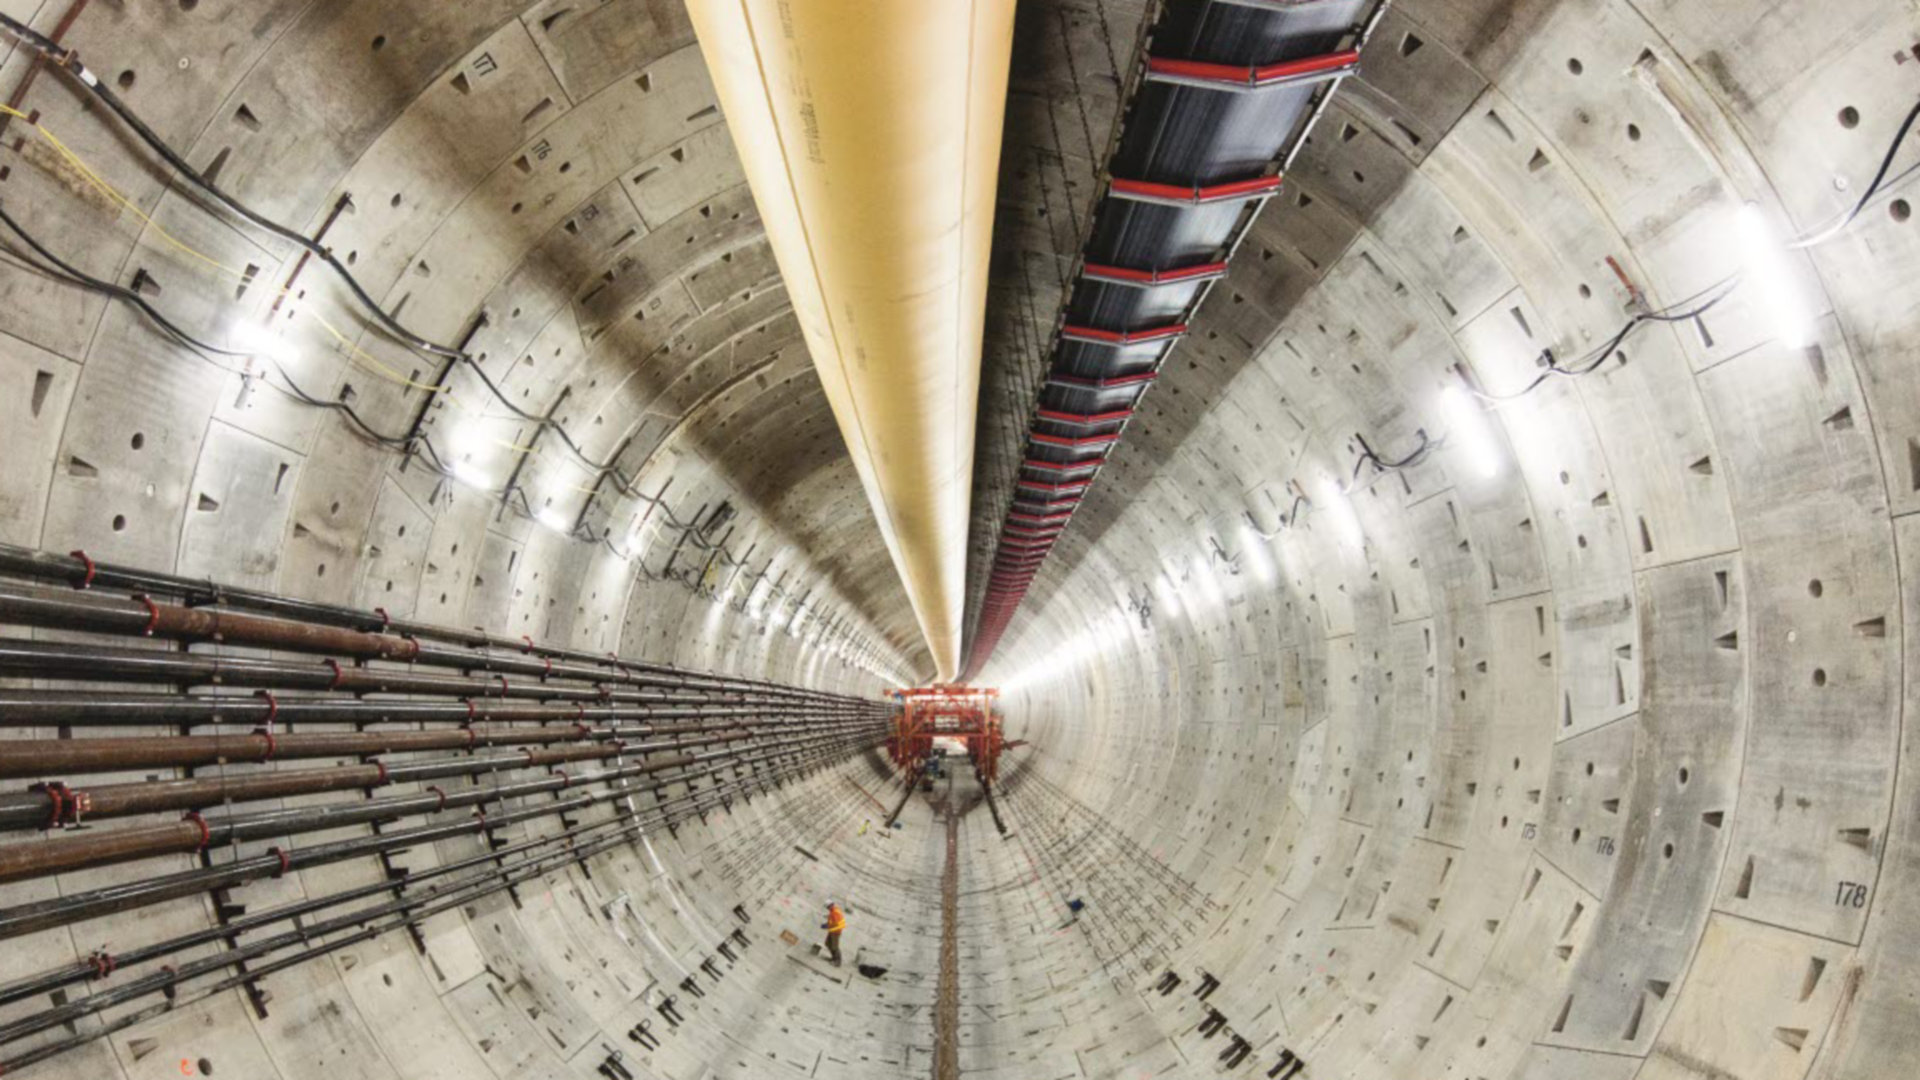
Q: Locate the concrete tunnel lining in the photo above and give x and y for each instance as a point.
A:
(1591, 768)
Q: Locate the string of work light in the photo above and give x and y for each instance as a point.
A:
(1764, 266)
(260, 348)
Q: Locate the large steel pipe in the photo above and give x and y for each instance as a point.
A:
(93, 903)
(424, 906)
(303, 938)
(41, 757)
(40, 808)
(102, 663)
(98, 612)
(53, 979)
(45, 805)
(20, 861)
(106, 708)
(83, 573)
(870, 133)
(515, 732)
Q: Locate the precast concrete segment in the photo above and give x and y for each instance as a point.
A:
(870, 133)
(1702, 864)
(1588, 764)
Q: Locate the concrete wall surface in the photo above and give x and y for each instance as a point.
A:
(1590, 765)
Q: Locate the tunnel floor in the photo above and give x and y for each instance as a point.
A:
(1037, 993)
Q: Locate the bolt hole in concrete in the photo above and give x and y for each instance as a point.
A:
(1575, 66)
(1819, 676)
(119, 522)
(125, 80)
(379, 42)
(189, 5)
(139, 440)
(1633, 132)
(1814, 588)
(1900, 210)
(1849, 117)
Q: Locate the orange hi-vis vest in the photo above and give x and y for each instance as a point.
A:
(836, 920)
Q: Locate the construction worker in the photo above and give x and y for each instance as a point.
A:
(836, 922)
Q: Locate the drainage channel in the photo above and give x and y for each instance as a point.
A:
(946, 1012)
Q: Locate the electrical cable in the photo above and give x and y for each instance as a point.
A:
(1381, 466)
(1594, 358)
(67, 272)
(93, 178)
(63, 270)
(59, 269)
(66, 61)
(1866, 197)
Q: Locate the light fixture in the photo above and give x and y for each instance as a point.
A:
(1467, 431)
(1772, 278)
(1254, 548)
(1169, 593)
(1345, 521)
(262, 342)
(1209, 583)
(555, 520)
(471, 475)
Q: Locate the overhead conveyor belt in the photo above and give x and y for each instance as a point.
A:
(1225, 101)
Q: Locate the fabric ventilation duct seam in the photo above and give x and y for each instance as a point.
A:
(869, 131)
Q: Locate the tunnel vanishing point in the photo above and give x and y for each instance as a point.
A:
(1304, 539)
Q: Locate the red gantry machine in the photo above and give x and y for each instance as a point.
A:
(963, 713)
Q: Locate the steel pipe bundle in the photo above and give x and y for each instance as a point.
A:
(125, 709)
(83, 574)
(310, 940)
(427, 734)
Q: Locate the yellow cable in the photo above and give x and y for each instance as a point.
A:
(111, 192)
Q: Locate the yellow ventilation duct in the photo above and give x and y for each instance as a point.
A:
(870, 134)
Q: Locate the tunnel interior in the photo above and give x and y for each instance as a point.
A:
(444, 632)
